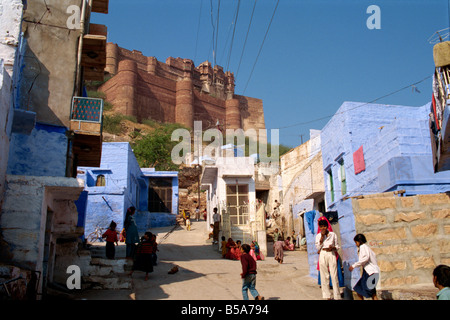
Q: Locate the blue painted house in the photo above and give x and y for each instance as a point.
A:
(120, 183)
(372, 148)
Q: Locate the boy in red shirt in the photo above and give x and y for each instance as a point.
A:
(248, 274)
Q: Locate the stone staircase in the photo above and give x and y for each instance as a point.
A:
(98, 272)
(241, 233)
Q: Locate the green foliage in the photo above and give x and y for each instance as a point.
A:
(154, 150)
(96, 94)
(111, 123)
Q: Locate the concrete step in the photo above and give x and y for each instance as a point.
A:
(102, 273)
(241, 233)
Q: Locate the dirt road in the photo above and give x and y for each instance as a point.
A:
(204, 275)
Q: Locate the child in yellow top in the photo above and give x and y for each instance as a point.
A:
(224, 247)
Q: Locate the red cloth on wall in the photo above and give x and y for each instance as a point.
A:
(358, 160)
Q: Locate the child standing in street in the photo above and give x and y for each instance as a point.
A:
(224, 247)
(188, 222)
(248, 274)
(327, 246)
(365, 287)
(111, 237)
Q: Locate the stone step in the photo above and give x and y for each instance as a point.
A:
(102, 273)
(115, 281)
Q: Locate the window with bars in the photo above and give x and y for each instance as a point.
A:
(330, 184)
(237, 203)
(342, 177)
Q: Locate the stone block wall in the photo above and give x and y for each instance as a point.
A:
(410, 235)
(177, 91)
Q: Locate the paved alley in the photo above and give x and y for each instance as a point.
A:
(204, 275)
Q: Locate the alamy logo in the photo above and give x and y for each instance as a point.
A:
(213, 150)
(374, 21)
(372, 281)
(74, 20)
(74, 280)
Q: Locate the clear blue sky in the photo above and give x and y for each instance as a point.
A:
(317, 53)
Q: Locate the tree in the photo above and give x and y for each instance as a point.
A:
(154, 149)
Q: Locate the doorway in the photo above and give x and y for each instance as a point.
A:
(160, 195)
(237, 203)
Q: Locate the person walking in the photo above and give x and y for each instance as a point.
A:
(131, 233)
(278, 249)
(144, 259)
(327, 245)
(365, 287)
(248, 274)
(216, 220)
(197, 213)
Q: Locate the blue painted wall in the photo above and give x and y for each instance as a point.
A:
(42, 153)
(397, 155)
(126, 184)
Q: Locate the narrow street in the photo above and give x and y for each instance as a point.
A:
(204, 275)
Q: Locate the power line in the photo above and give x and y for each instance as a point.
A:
(198, 29)
(358, 106)
(213, 31)
(246, 36)
(262, 44)
(234, 29)
(217, 26)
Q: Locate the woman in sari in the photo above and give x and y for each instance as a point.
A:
(144, 259)
(131, 232)
(230, 249)
(288, 245)
(258, 253)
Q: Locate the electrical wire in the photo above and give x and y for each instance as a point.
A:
(217, 27)
(246, 37)
(260, 49)
(198, 29)
(358, 106)
(213, 31)
(234, 30)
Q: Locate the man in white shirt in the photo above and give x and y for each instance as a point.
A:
(327, 245)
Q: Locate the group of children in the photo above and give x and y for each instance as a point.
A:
(145, 256)
(232, 250)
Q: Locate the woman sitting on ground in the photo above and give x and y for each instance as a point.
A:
(287, 245)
